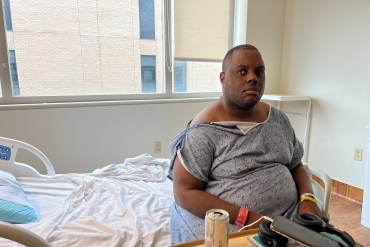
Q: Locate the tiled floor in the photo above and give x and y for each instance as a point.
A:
(345, 214)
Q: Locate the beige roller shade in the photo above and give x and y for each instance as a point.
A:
(201, 29)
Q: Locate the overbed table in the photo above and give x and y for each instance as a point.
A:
(236, 239)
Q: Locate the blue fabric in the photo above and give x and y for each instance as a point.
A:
(14, 206)
(16, 213)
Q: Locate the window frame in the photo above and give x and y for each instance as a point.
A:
(8, 100)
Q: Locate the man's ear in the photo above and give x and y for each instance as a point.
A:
(222, 78)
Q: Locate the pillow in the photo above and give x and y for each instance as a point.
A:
(14, 207)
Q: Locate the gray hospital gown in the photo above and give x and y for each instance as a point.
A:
(249, 169)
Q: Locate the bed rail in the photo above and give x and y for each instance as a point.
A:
(8, 153)
(21, 235)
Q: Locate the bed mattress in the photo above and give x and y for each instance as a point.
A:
(117, 205)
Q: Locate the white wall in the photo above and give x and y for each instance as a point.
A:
(327, 56)
(265, 30)
(81, 139)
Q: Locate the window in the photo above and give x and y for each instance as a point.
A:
(202, 32)
(7, 16)
(147, 19)
(61, 51)
(13, 73)
(148, 81)
(179, 77)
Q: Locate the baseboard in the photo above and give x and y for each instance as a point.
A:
(347, 191)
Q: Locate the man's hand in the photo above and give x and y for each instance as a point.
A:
(310, 207)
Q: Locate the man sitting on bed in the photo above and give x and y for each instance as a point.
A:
(238, 154)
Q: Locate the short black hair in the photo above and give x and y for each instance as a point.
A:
(232, 50)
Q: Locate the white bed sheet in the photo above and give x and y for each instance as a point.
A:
(118, 205)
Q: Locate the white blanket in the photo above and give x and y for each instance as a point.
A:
(117, 205)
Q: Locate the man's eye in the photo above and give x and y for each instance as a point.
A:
(242, 72)
(260, 73)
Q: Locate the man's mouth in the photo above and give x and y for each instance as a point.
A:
(251, 91)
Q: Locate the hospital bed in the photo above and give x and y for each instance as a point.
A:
(117, 205)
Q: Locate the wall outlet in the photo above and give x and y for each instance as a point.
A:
(358, 154)
(157, 147)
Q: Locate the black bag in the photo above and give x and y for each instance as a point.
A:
(307, 229)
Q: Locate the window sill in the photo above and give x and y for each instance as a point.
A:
(19, 106)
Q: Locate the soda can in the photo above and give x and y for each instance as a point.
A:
(216, 228)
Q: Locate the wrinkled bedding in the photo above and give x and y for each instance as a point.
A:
(117, 205)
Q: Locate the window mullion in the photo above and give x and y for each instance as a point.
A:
(6, 87)
(168, 45)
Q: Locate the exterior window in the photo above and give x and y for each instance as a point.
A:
(147, 24)
(148, 78)
(179, 77)
(14, 73)
(7, 16)
(88, 47)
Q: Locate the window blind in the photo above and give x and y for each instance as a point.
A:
(201, 29)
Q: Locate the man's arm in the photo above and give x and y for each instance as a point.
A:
(304, 185)
(189, 194)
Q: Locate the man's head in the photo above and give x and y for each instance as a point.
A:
(243, 76)
(231, 52)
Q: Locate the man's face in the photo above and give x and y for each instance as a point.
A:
(243, 81)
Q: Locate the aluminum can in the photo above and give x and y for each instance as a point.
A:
(216, 228)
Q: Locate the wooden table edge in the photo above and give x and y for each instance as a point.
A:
(233, 235)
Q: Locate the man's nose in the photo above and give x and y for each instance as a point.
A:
(252, 77)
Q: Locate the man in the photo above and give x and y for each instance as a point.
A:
(239, 154)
